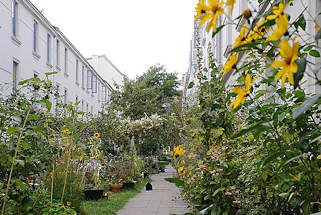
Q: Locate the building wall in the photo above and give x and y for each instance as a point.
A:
(107, 70)
(20, 48)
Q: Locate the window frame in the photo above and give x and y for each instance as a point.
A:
(15, 70)
(35, 36)
(48, 48)
(14, 18)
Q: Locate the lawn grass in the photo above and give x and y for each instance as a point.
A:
(115, 202)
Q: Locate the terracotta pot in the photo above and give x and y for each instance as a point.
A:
(116, 187)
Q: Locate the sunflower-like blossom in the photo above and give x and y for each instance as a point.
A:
(283, 24)
(209, 13)
(230, 63)
(241, 39)
(242, 93)
(288, 57)
(278, 11)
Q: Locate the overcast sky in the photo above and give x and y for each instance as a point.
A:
(133, 34)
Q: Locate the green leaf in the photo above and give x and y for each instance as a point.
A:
(191, 85)
(48, 105)
(25, 81)
(50, 73)
(302, 62)
(217, 30)
(300, 23)
(33, 117)
(12, 130)
(20, 162)
(281, 116)
(296, 157)
(305, 106)
(217, 191)
(271, 158)
(314, 53)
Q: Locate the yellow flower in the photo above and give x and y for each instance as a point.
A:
(96, 135)
(63, 206)
(288, 57)
(319, 157)
(216, 9)
(242, 93)
(179, 151)
(230, 63)
(209, 13)
(68, 203)
(201, 9)
(230, 3)
(15, 136)
(283, 24)
(240, 40)
(246, 13)
(180, 169)
(91, 143)
(316, 27)
(67, 131)
(183, 162)
(278, 10)
(172, 153)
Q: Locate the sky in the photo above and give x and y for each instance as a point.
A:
(133, 34)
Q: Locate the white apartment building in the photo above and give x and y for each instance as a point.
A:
(31, 46)
(107, 70)
(223, 41)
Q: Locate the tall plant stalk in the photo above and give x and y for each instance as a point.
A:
(13, 162)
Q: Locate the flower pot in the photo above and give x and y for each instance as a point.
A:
(93, 194)
(116, 187)
(128, 185)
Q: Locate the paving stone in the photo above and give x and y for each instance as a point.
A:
(164, 199)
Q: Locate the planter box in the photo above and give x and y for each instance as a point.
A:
(94, 194)
(116, 187)
(128, 185)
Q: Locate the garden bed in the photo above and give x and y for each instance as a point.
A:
(115, 202)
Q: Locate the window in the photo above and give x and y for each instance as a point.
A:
(14, 17)
(104, 94)
(77, 71)
(35, 36)
(83, 77)
(14, 74)
(66, 59)
(82, 105)
(94, 83)
(48, 48)
(87, 107)
(76, 100)
(92, 109)
(57, 52)
(89, 80)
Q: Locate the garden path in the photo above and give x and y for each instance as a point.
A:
(164, 199)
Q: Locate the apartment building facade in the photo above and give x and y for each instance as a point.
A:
(31, 46)
(220, 45)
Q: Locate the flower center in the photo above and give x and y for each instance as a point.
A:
(215, 9)
(203, 11)
(288, 60)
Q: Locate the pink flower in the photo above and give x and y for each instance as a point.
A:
(86, 122)
(228, 193)
(236, 202)
(105, 140)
